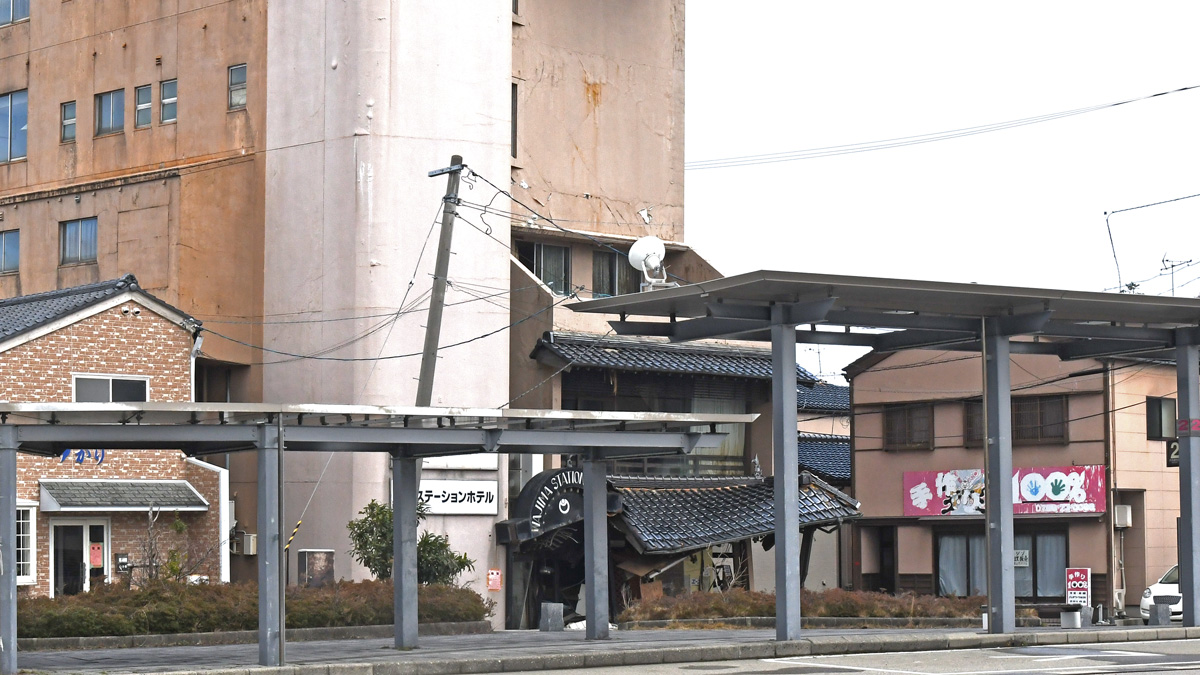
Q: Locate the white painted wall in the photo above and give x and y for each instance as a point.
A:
(363, 99)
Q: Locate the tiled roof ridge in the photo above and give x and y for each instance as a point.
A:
(659, 343)
(814, 436)
(120, 284)
(629, 481)
(592, 340)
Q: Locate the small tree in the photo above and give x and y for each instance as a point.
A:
(371, 545)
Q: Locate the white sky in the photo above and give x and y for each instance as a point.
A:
(1019, 207)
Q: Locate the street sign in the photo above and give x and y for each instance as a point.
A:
(1187, 427)
(1173, 452)
(1079, 586)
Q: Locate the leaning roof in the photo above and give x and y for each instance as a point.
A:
(671, 514)
(826, 455)
(660, 356)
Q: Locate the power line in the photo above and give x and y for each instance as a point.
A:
(830, 151)
(343, 359)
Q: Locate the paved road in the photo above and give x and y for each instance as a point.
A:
(1177, 656)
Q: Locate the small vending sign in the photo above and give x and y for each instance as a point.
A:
(1079, 586)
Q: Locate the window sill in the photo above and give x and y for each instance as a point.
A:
(236, 110)
(10, 273)
(108, 134)
(70, 142)
(145, 128)
(82, 263)
(16, 160)
(518, 20)
(167, 123)
(15, 23)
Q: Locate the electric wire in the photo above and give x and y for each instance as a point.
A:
(869, 146)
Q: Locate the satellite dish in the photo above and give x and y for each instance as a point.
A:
(647, 255)
(647, 252)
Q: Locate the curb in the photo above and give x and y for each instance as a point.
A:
(821, 622)
(767, 649)
(241, 637)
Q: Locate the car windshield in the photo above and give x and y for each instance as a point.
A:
(1171, 577)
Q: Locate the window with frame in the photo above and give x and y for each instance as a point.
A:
(78, 241)
(1035, 419)
(12, 11)
(1039, 567)
(110, 112)
(613, 275)
(102, 389)
(141, 107)
(551, 264)
(26, 541)
(168, 100)
(10, 251)
(1160, 419)
(908, 427)
(237, 86)
(14, 125)
(68, 122)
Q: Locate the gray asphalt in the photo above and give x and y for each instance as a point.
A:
(511, 651)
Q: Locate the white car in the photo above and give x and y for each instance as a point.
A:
(1167, 585)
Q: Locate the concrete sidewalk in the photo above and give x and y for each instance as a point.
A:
(509, 651)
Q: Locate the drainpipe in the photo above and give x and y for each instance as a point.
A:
(197, 340)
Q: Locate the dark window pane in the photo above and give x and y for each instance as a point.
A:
(603, 274)
(128, 390)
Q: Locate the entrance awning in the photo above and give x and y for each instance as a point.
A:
(83, 495)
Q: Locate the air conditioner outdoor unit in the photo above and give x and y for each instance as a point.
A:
(249, 544)
(1122, 516)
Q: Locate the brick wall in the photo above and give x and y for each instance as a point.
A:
(113, 343)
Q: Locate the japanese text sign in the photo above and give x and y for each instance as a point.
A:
(460, 497)
(960, 492)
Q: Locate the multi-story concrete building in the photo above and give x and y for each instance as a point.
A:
(262, 166)
(1094, 481)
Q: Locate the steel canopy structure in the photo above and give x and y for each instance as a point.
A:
(787, 308)
(406, 434)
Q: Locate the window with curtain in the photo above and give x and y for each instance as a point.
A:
(962, 565)
(14, 125)
(1035, 419)
(908, 427)
(551, 264)
(78, 241)
(613, 275)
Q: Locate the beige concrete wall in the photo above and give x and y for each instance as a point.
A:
(914, 554)
(600, 113)
(194, 240)
(1140, 465)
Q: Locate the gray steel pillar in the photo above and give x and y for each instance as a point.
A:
(787, 478)
(270, 544)
(404, 549)
(8, 550)
(1187, 364)
(595, 547)
(998, 472)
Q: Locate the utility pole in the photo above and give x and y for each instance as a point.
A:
(437, 301)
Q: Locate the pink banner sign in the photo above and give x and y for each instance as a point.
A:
(960, 492)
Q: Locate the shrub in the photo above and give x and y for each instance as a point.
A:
(833, 602)
(172, 607)
(371, 538)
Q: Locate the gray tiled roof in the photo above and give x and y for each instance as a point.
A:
(168, 495)
(26, 312)
(823, 396)
(659, 356)
(668, 514)
(826, 455)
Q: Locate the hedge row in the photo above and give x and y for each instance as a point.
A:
(171, 607)
(833, 602)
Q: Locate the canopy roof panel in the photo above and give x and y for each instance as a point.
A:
(921, 314)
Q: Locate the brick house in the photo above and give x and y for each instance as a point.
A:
(87, 516)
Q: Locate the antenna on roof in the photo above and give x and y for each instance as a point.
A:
(647, 255)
